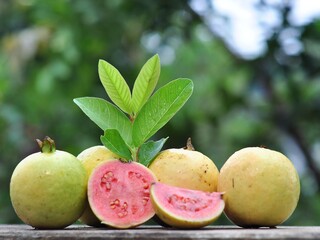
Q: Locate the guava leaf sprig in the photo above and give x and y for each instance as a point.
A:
(115, 143)
(106, 116)
(145, 83)
(115, 86)
(132, 119)
(149, 150)
(160, 108)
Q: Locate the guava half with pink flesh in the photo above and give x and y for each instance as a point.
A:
(185, 208)
(119, 193)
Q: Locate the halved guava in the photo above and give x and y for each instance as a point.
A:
(90, 158)
(119, 193)
(185, 208)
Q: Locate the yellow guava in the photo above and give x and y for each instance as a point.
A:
(261, 187)
(90, 158)
(185, 168)
(48, 188)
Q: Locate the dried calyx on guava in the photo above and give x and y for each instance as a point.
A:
(119, 193)
(186, 168)
(261, 187)
(48, 188)
(90, 158)
(185, 208)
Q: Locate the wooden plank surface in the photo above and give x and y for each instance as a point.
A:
(157, 232)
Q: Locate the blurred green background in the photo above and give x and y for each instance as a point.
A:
(252, 86)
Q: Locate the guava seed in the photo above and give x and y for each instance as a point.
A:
(145, 200)
(187, 204)
(107, 179)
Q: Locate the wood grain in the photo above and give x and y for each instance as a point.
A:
(157, 232)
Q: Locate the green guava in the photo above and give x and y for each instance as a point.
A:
(119, 193)
(48, 188)
(185, 208)
(90, 158)
(186, 168)
(261, 187)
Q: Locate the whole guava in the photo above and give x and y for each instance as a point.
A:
(90, 158)
(261, 187)
(186, 168)
(48, 188)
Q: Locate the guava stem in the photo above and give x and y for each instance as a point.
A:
(47, 145)
(132, 118)
(189, 145)
(134, 154)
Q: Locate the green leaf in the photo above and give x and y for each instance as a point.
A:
(149, 150)
(115, 86)
(160, 108)
(113, 141)
(145, 83)
(106, 115)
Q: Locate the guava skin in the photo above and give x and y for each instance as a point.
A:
(185, 168)
(261, 187)
(48, 190)
(90, 158)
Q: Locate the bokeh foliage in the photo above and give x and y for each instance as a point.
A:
(49, 51)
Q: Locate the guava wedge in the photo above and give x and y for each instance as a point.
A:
(119, 193)
(185, 208)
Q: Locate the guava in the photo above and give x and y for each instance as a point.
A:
(48, 188)
(185, 208)
(119, 193)
(90, 158)
(261, 187)
(185, 168)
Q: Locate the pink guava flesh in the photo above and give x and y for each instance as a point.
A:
(119, 193)
(188, 204)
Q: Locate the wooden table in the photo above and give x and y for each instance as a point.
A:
(157, 232)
